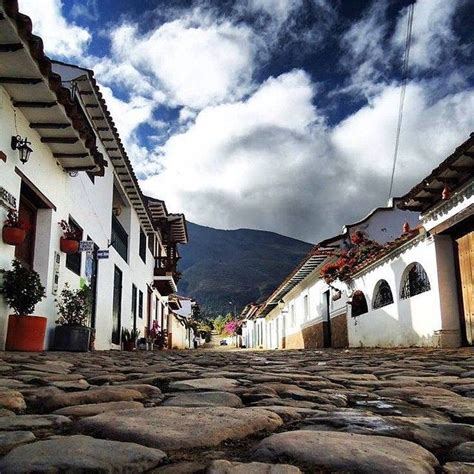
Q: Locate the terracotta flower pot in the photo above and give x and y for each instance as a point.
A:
(68, 245)
(26, 333)
(13, 235)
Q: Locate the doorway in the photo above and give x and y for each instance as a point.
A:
(25, 252)
(91, 271)
(117, 306)
(464, 245)
(326, 321)
(149, 307)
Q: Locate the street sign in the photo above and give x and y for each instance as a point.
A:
(86, 246)
(102, 254)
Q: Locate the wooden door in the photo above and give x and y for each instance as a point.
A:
(25, 251)
(465, 254)
(117, 306)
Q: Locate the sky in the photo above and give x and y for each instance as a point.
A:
(277, 115)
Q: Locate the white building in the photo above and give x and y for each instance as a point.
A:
(78, 171)
(416, 290)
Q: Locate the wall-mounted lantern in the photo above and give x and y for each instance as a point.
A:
(281, 306)
(23, 147)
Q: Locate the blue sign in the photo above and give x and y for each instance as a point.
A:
(102, 254)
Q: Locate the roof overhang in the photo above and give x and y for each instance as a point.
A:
(165, 285)
(27, 76)
(314, 260)
(455, 171)
(86, 89)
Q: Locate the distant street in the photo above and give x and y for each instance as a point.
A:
(364, 410)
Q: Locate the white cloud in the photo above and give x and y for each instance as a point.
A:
(61, 39)
(433, 38)
(271, 162)
(194, 61)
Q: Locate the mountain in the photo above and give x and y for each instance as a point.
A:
(241, 266)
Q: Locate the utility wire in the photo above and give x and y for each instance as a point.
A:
(406, 59)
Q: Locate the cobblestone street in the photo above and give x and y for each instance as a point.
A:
(395, 411)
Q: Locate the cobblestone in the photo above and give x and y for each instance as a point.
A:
(229, 411)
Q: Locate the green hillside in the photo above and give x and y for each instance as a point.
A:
(241, 265)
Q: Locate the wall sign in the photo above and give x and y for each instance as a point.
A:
(7, 199)
(86, 246)
(102, 254)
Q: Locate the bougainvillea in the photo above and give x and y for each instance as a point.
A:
(362, 247)
(232, 327)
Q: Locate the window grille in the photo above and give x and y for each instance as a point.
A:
(414, 281)
(383, 294)
(119, 238)
(73, 260)
(142, 246)
(359, 304)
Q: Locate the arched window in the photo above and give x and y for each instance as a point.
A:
(358, 303)
(414, 281)
(382, 295)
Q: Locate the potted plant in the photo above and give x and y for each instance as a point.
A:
(72, 334)
(129, 339)
(14, 229)
(69, 242)
(22, 290)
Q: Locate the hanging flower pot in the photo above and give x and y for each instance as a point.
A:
(68, 245)
(14, 229)
(69, 242)
(13, 235)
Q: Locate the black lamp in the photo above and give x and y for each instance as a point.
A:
(23, 147)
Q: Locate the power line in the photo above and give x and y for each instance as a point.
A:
(406, 59)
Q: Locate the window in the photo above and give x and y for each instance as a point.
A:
(359, 304)
(142, 249)
(119, 238)
(73, 260)
(306, 307)
(140, 304)
(293, 316)
(382, 295)
(134, 302)
(414, 281)
(151, 243)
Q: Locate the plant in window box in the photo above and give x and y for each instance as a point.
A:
(22, 290)
(129, 339)
(14, 229)
(69, 242)
(72, 333)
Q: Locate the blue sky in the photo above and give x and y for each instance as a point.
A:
(272, 114)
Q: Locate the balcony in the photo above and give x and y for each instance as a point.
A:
(165, 275)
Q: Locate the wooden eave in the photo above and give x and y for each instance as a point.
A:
(454, 172)
(314, 259)
(26, 75)
(105, 128)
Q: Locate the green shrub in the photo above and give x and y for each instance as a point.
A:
(22, 289)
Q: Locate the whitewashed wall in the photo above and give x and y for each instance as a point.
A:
(416, 321)
(90, 205)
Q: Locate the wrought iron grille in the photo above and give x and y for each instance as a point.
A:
(383, 294)
(415, 281)
(359, 304)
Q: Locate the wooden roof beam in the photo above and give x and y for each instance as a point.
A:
(59, 139)
(20, 80)
(70, 155)
(49, 125)
(462, 168)
(33, 104)
(423, 198)
(10, 47)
